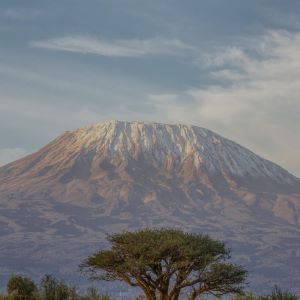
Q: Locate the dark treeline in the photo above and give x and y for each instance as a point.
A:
(49, 288)
(164, 264)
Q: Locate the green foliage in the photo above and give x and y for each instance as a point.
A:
(52, 289)
(18, 288)
(6, 297)
(244, 296)
(279, 294)
(21, 288)
(51, 283)
(165, 261)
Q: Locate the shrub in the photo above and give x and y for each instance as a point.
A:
(21, 288)
(52, 289)
(279, 294)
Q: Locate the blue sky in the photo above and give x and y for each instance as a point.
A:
(231, 66)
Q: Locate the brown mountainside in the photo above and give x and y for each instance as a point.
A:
(121, 175)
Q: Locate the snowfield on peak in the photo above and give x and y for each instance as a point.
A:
(179, 141)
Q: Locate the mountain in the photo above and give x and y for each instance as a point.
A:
(57, 204)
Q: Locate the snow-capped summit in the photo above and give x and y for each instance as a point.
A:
(176, 148)
(176, 143)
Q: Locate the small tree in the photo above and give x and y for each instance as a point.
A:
(21, 288)
(52, 289)
(165, 262)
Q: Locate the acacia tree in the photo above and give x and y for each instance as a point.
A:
(165, 263)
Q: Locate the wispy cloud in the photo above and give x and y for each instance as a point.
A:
(114, 48)
(253, 96)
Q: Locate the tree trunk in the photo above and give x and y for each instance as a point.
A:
(148, 293)
(175, 296)
(164, 296)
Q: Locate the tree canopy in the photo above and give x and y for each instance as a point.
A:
(21, 288)
(166, 263)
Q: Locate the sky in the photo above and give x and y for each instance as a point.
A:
(230, 66)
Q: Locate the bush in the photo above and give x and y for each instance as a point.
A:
(21, 288)
(52, 289)
(279, 294)
(245, 296)
(6, 297)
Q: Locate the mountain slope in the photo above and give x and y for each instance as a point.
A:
(125, 175)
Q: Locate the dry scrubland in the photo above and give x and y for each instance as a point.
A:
(62, 291)
(164, 264)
